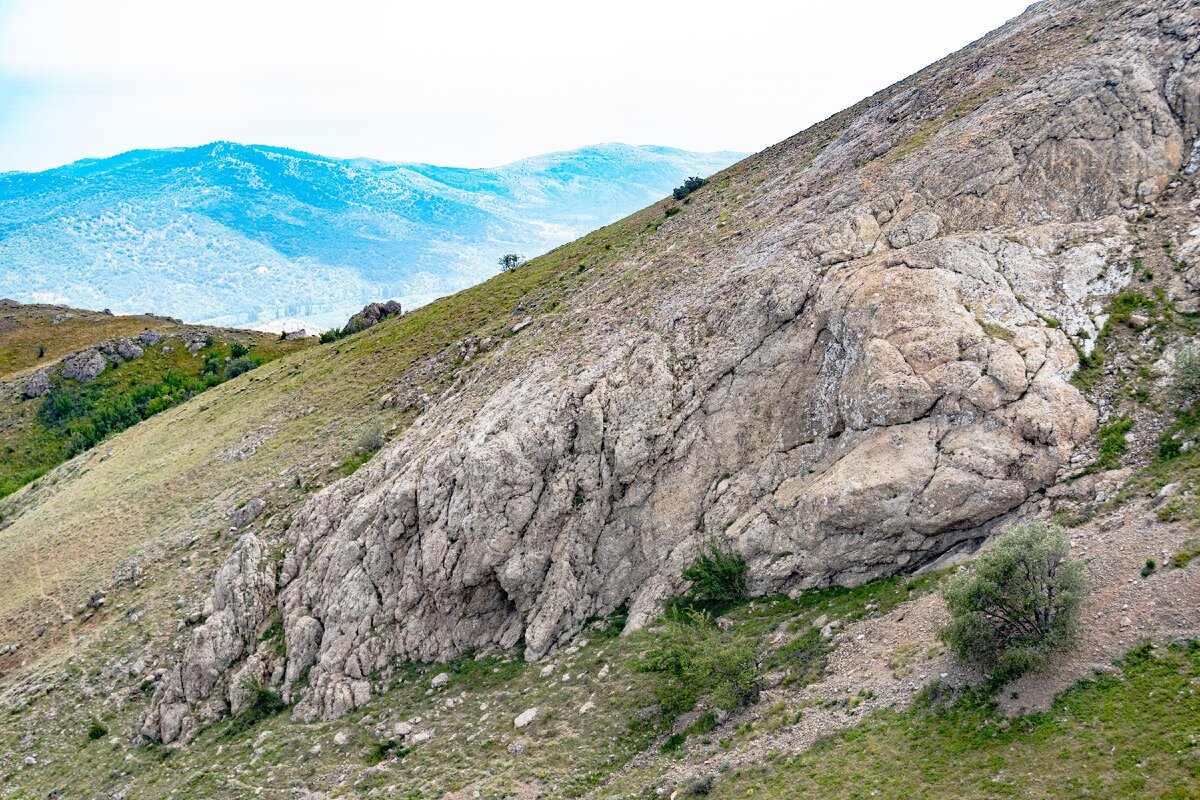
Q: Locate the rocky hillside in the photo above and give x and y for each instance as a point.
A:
(231, 234)
(70, 378)
(856, 354)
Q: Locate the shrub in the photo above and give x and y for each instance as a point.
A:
(239, 365)
(1018, 605)
(331, 335)
(1187, 376)
(689, 186)
(264, 704)
(237, 350)
(693, 657)
(370, 440)
(718, 579)
(96, 731)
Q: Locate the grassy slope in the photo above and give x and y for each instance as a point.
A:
(1132, 735)
(24, 327)
(32, 447)
(565, 753)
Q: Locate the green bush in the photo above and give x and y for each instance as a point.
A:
(693, 657)
(264, 704)
(240, 365)
(1187, 376)
(718, 579)
(689, 186)
(1018, 605)
(96, 731)
(237, 350)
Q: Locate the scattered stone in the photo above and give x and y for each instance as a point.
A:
(525, 717)
(440, 680)
(128, 350)
(340, 738)
(149, 337)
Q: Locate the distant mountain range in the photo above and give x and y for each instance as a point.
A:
(258, 236)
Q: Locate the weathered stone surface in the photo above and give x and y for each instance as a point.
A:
(371, 315)
(249, 512)
(128, 350)
(149, 337)
(85, 366)
(37, 385)
(201, 687)
(839, 382)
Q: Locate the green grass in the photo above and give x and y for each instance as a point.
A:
(74, 417)
(1132, 735)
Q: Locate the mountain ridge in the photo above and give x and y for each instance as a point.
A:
(226, 233)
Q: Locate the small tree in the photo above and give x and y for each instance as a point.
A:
(1017, 605)
(510, 261)
(689, 186)
(718, 579)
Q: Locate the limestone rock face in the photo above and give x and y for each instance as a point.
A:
(202, 688)
(859, 364)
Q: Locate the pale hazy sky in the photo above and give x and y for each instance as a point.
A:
(458, 83)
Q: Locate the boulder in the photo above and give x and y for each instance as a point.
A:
(37, 385)
(371, 315)
(84, 366)
(249, 512)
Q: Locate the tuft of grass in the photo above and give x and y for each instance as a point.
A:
(265, 704)
(1191, 549)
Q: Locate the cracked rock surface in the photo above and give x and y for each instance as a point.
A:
(842, 359)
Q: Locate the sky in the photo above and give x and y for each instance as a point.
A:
(450, 82)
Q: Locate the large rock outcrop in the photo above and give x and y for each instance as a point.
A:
(204, 686)
(844, 358)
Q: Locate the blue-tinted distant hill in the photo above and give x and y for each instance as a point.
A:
(245, 235)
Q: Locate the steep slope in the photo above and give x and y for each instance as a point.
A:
(836, 359)
(842, 357)
(245, 235)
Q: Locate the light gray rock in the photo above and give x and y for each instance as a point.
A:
(525, 718)
(848, 377)
(37, 385)
(200, 688)
(149, 337)
(128, 350)
(249, 512)
(84, 367)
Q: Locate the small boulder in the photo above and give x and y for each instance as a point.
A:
(440, 680)
(249, 512)
(37, 385)
(149, 337)
(525, 717)
(128, 350)
(371, 315)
